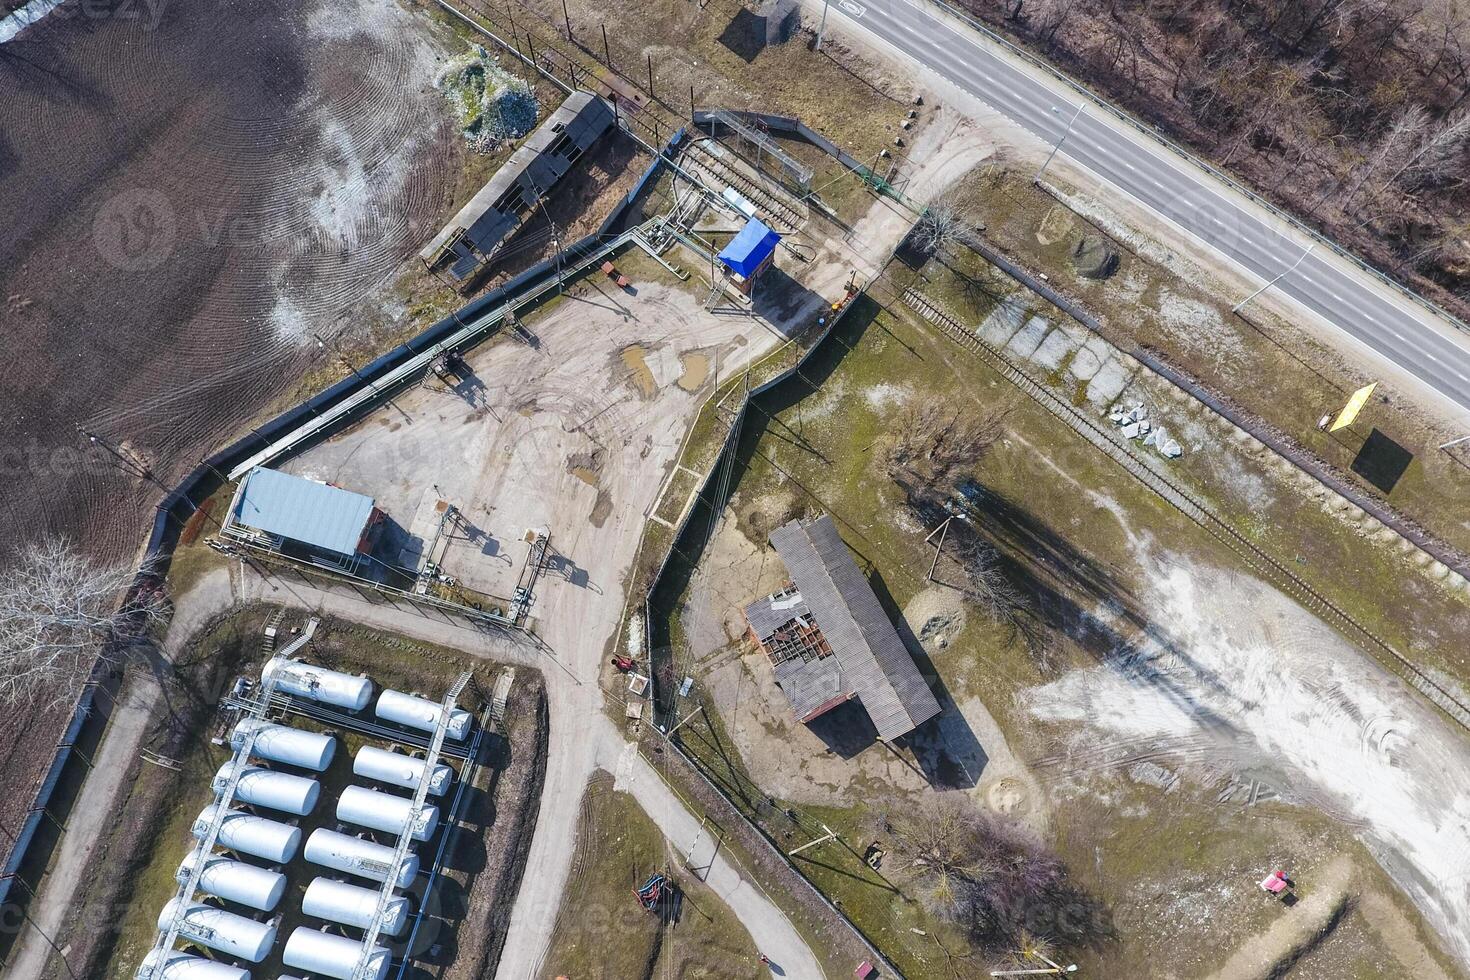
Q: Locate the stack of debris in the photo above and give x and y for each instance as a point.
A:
(492, 105)
(1136, 425)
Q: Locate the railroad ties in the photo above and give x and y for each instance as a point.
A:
(1272, 569)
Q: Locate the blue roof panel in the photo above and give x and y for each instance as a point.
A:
(750, 248)
(303, 510)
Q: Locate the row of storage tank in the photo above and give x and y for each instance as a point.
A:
(277, 843)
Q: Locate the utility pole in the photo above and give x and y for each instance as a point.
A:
(322, 346)
(1300, 259)
(670, 733)
(691, 103)
(568, 18)
(823, 26)
(555, 235)
(1068, 132)
(829, 835)
(606, 51)
(943, 531)
(650, 76)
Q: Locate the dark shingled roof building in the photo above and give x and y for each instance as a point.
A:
(477, 232)
(829, 639)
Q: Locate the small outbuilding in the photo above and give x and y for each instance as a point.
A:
(830, 640)
(750, 253)
(312, 520)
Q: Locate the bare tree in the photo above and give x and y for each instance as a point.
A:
(989, 585)
(934, 446)
(1435, 155)
(943, 225)
(59, 612)
(965, 866)
(1396, 147)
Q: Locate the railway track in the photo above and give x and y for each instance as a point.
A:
(1186, 503)
(700, 157)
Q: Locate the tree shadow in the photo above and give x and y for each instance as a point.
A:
(944, 748)
(1083, 599)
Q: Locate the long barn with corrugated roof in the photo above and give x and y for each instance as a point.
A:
(829, 639)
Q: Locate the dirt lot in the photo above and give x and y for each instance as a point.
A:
(1195, 725)
(190, 190)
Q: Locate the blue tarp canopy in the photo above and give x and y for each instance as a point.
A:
(750, 248)
(303, 510)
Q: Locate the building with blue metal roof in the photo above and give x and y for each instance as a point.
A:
(323, 520)
(750, 251)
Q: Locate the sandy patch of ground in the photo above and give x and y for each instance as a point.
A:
(1232, 671)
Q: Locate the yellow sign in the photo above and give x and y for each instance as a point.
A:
(1353, 407)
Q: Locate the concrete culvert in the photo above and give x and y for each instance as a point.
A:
(1094, 258)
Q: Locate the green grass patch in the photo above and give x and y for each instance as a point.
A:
(602, 932)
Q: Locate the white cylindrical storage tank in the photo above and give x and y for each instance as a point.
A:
(332, 956)
(421, 713)
(353, 905)
(386, 812)
(272, 840)
(397, 769)
(178, 965)
(282, 743)
(227, 932)
(236, 881)
(357, 857)
(266, 787)
(318, 683)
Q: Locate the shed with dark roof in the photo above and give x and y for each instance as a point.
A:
(830, 639)
(475, 235)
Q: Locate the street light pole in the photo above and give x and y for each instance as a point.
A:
(823, 26)
(1068, 132)
(1300, 259)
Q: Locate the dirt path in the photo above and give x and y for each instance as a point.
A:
(86, 826)
(582, 740)
(1296, 926)
(767, 925)
(1400, 936)
(105, 784)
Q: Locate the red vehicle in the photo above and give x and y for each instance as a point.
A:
(611, 271)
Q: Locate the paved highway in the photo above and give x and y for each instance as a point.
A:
(1187, 195)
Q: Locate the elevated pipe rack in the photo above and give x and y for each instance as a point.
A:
(405, 837)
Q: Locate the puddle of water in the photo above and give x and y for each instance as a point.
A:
(634, 360)
(586, 474)
(696, 369)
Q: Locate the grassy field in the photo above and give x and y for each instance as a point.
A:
(811, 446)
(603, 934)
(1280, 370)
(1371, 576)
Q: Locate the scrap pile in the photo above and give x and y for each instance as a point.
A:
(491, 104)
(1136, 425)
